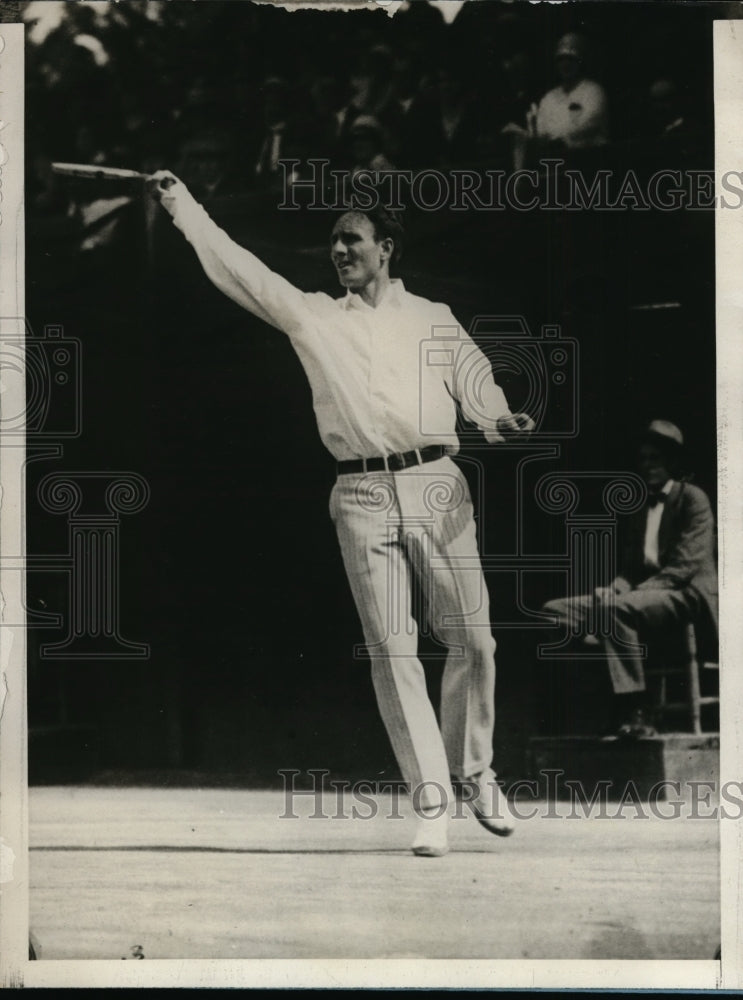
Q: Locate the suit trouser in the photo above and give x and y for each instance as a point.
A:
(420, 521)
(636, 614)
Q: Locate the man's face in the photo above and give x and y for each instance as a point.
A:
(356, 254)
(568, 69)
(653, 467)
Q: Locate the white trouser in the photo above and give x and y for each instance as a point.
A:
(420, 520)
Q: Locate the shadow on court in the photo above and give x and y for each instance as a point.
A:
(216, 873)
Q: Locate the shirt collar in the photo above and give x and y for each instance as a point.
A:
(665, 490)
(393, 296)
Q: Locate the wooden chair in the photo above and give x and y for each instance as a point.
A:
(682, 674)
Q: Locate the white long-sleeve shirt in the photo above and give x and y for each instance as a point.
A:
(383, 379)
(579, 117)
(652, 529)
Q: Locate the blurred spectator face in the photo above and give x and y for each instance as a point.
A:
(403, 75)
(275, 100)
(373, 77)
(379, 62)
(654, 466)
(516, 70)
(422, 59)
(85, 144)
(202, 161)
(366, 140)
(326, 95)
(505, 32)
(569, 58)
(664, 103)
(197, 97)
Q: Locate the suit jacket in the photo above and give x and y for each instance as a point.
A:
(686, 549)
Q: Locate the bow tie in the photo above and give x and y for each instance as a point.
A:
(655, 498)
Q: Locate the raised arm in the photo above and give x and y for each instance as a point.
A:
(233, 269)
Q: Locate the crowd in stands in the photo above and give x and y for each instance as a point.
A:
(491, 90)
(392, 113)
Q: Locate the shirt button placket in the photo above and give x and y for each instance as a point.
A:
(375, 412)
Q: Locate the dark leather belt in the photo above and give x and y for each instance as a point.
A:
(393, 463)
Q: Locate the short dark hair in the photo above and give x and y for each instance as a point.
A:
(387, 225)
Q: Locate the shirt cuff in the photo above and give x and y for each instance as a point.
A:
(492, 434)
(184, 208)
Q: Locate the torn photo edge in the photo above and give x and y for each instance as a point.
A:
(14, 905)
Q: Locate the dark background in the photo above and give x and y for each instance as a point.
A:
(232, 573)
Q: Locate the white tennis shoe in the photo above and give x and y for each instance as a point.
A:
(432, 836)
(488, 803)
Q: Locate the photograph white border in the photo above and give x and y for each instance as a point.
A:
(686, 975)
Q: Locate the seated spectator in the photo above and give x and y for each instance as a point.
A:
(666, 569)
(282, 136)
(371, 88)
(87, 147)
(328, 115)
(405, 99)
(574, 115)
(669, 130)
(204, 165)
(446, 126)
(517, 92)
(422, 23)
(371, 84)
(405, 82)
(367, 146)
(666, 115)
(512, 106)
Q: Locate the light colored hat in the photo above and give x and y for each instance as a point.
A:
(662, 89)
(275, 83)
(572, 45)
(665, 429)
(365, 123)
